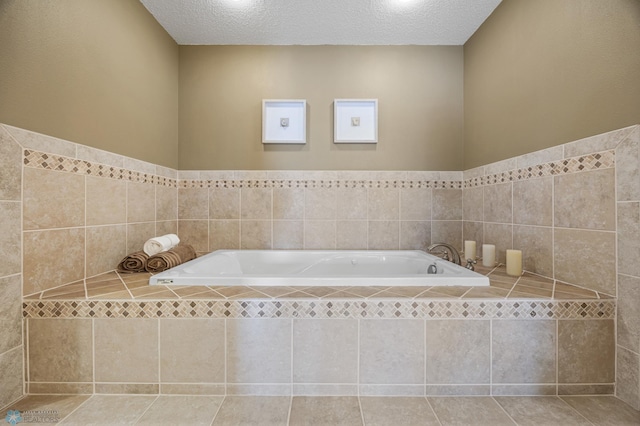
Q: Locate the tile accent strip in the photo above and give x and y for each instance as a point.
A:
(595, 161)
(42, 160)
(431, 309)
(266, 183)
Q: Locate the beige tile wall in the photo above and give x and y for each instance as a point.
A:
(319, 210)
(561, 212)
(282, 356)
(79, 219)
(11, 335)
(581, 227)
(628, 249)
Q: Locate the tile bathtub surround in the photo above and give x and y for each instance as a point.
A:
(546, 166)
(313, 210)
(318, 340)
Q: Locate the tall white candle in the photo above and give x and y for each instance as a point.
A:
(489, 255)
(514, 263)
(470, 249)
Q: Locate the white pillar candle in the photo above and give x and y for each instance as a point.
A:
(470, 250)
(514, 263)
(489, 255)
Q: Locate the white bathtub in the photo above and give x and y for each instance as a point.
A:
(319, 268)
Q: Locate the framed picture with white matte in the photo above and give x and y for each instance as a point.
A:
(355, 121)
(284, 121)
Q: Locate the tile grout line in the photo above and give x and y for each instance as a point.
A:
(76, 409)
(26, 372)
(503, 409)
(491, 357)
(159, 330)
(289, 410)
(224, 397)
(358, 360)
(146, 409)
(291, 380)
(432, 410)
(575, 410)
(617, 277)
(424, 350)
(93, 354)
(557, 363)
(361, 410)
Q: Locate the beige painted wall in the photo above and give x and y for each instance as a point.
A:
(101, 73)
(419, 88)
(545, 72)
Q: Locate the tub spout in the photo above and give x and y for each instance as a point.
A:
(455, 255)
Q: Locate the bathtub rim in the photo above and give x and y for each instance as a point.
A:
(467, 279)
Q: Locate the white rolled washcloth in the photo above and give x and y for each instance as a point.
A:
(159, 244)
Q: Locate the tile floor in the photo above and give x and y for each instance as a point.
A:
(300, 410)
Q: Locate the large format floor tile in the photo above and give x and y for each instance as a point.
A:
(253, 410)
(532, 411)
(383, 411)
(325, 410)
(110, 410)
(604, 410)
(465, 411)
(185, 410)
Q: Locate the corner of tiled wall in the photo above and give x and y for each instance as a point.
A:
(11, 334)
(84, 209)
(574, 210)
(628, 220)
(557, 205)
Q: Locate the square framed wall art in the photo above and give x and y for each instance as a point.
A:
(284, 121)
(355, 121)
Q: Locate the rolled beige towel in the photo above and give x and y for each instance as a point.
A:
(168, 259)
(134, 262)
(159, 244)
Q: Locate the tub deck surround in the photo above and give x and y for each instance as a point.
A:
(117, 295)
(115, 334)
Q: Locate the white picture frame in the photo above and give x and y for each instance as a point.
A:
(284, 121)
(355, 121)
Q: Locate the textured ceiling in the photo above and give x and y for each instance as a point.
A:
(313, 22)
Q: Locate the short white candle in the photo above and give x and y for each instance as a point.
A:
(489, 255)
(514, 263)
(470, 249)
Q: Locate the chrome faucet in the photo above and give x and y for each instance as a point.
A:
(455, 255)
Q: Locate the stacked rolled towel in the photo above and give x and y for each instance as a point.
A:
(170, 258)
(159, 244)
(134, 262)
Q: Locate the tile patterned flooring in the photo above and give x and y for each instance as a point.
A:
(301, 410)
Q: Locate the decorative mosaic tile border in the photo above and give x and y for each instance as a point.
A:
(269, 183)
(42, 160)
(595, 161)
(381, 309)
